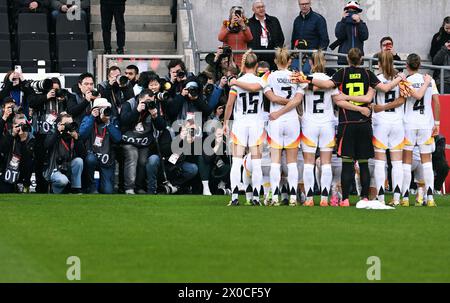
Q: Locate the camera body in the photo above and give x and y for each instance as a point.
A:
(181, 74)
(150, 105)
(123, 81)
(95, 93)
(70, 127)
(227, 51)
(26, 128)
(106, 111)
(60, 93)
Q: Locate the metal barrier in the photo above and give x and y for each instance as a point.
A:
(186, 40)
(369, 60)
(104, 61)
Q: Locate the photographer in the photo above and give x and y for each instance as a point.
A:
(177, 168)
(16, 87)
(66, 156)
(220, 62)
(16, 151)
(235, 32)
(117, 89)
(46, 108)
(139, 119)
(351, 31)
(211, 91)
(177, 76)
(190, 100)
(214, 165)
(100, 131)
(84, 92)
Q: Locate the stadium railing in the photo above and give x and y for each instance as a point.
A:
(369, 62)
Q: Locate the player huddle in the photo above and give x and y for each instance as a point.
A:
(375, 114)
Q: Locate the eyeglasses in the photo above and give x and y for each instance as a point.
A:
(305, 4)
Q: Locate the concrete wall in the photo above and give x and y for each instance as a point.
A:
(411, 23)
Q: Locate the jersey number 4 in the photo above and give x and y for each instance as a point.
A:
(252, 101)
(419, 105)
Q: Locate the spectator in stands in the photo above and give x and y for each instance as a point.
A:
(139, 119)
(32, 6)
(66, 151)
(311, 27)
(132, 72)
(117, 89)
(351, 31)
(100, 131)
(84, 92)
(235, 32)
(442, 58)
(69, 7)
(110, 9)
(16, 151)
(16, 87)
(46, 108)
(266, 31)
(441, 37)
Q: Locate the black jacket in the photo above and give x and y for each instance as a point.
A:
(53, 142)
(115, 95)
(275, 33)
(179, 106)
(78, 106)
(350, 36)
(23, 149)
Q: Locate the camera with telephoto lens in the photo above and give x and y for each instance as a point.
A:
(193, 91)
(106, 111)
(95, 93)
(26, 128)
(40, 86)
(208, 88)
(161, 96)
(70, 127)
(226, 51)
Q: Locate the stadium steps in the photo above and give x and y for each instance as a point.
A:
(148, 24)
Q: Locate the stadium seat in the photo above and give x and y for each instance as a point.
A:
(4, 26)
(3, 6)
(30, 51)
(72, 56)
(32, 27)
(5, 56)
(72, 28)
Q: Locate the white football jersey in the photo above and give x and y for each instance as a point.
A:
(419, 113)
(318, 105)
(281, 85)
(394, 115)
(248, 105)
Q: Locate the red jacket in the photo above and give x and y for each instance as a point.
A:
(237, 41)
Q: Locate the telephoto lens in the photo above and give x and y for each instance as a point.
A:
(162, 96)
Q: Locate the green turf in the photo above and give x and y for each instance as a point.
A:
(199, 239)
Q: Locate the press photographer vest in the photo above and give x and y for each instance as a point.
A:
(101, 145)
(141, 135)
(12, 171)
(45, 119)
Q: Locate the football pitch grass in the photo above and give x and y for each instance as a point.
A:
(199, 239)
